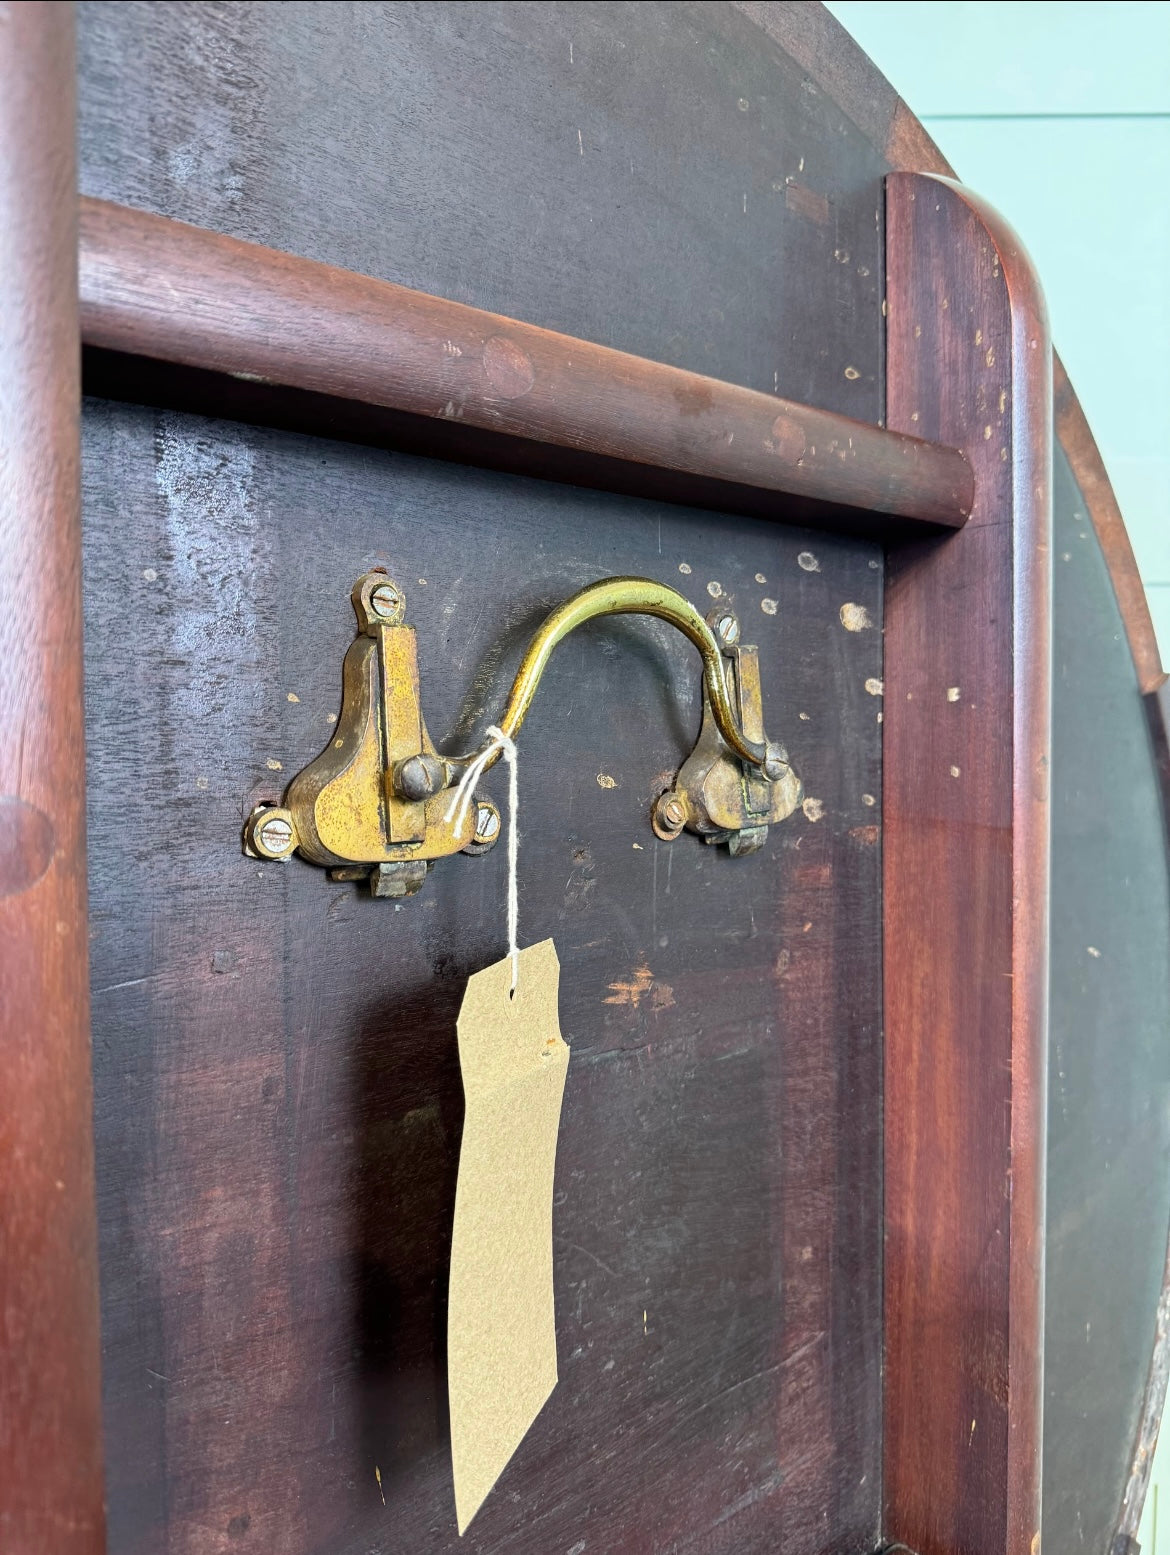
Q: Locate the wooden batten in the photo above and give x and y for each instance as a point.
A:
(965, 889)
(456, 381)
(51, 1489)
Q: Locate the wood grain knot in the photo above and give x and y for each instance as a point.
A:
(27, 840)
(507, 368)
(788, 441)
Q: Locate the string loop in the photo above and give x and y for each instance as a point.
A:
(498, 743)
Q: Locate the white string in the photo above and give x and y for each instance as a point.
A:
(461, 801)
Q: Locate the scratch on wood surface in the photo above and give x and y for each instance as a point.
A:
(575, 1247)
(750, 1497)
(806, 202)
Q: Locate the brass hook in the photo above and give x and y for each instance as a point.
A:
(642, 596)
(375, 801)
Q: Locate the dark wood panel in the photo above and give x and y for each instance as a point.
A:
(1109, 1157)
(278, 1095)
(1093, 495)
(965, 890)
(540, 160)
(181, 294)
(277, 1100)
(50, 1442)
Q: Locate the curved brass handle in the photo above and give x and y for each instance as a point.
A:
(633, 596)
(376, 802)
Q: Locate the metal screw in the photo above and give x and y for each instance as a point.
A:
(275, 834)
(727, 630)
(487, 824)
(673, 812)
(418, 777)
(775, 763)
(385, 600)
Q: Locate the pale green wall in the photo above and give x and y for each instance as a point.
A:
(1060, 115)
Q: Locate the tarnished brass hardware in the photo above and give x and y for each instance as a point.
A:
(375, 803)
(720, 798)
(641, 596)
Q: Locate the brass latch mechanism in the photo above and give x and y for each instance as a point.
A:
(377, 803)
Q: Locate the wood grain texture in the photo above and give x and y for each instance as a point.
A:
(277, 1102)
(278, 1091)
(968, 664)
(1100, 1114)
(180, 294)
(50, 1425)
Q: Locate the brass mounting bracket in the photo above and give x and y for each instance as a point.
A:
(375, 803)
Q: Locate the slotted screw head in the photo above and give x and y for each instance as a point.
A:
(775, 763)
(276, 834)
(673, 812)
(386, 600)
(727, 630)
(487, 823)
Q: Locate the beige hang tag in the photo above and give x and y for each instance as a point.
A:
(501, 1335)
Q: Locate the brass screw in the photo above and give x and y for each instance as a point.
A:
(385, 600)
(775, 763)
(275, 834)
(419, 777)
(673, 812)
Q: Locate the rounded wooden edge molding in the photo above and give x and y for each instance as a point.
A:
(838, 66)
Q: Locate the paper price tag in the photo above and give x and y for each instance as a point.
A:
(501, 1335)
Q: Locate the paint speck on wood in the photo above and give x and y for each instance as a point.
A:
(855, 618)
(640, 986)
